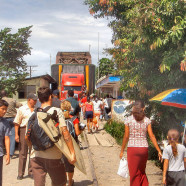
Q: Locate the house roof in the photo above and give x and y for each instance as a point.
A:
(108, 81)
(46, 77)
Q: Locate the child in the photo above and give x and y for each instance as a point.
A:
(174, 156)
(4, 135)
(66, 108)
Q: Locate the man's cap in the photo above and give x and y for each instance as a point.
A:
(55, 92)
(32, 96)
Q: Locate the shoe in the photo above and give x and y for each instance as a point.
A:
(19, 177)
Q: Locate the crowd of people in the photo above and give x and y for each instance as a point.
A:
(16, 121)
(14, 126)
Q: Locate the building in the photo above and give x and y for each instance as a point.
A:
(32, 84)
(110, 85)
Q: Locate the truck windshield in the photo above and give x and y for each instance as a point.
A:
(77, 88)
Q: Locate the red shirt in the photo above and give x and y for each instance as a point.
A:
(76, 121)
(88, 107)
(84, 100)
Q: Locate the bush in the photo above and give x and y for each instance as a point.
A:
(116, 130)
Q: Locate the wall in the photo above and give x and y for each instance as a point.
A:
(37, 82)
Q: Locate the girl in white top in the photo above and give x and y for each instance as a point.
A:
(174, 156)
(97, 111)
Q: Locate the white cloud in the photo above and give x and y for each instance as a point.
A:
(58, 25)
(40, 31)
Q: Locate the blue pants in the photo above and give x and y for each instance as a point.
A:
(12, 136)
(1, 169)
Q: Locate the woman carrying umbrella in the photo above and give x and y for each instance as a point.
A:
(136, 127)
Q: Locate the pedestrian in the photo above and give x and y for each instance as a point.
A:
(4, 137)
(174, 156)
(83, 101)
(49, 160)
(107, 106)
(21, 121)
(75, 108)
(10, 115)
(89, 112)
(102, 109)
(136, 127)
(55, 99)
(75, 131)
(97, 110)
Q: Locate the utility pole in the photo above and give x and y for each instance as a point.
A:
(98, 55)
(50, 64)
(30, 69)
(89, 48)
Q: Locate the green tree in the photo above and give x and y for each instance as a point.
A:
(149, 39)
(13, 48)
(106, 66)
(149, 47)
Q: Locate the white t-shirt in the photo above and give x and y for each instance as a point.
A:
(97, 105)
(175, 163)
(23, 115)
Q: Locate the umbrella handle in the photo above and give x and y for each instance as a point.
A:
(183, 133)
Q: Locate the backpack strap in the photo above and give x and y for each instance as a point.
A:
(33, 117)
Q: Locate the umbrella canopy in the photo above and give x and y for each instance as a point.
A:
(172, 97)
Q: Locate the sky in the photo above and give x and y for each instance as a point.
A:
(58, 25)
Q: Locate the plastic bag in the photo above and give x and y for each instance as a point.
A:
(123, 168)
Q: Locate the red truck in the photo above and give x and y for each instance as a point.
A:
(74, 71)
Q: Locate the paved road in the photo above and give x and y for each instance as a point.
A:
(101, 156)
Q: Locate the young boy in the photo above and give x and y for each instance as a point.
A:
(4, 135)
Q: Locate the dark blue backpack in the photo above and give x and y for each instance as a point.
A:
(38, 137)
(70, 127)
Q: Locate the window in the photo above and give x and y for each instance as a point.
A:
(77, 88)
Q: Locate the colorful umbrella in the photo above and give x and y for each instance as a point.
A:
(172, 97)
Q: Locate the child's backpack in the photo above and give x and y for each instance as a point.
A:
(36, 134)
(70, 127)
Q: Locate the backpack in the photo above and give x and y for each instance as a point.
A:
(70, 127)
(36, 134)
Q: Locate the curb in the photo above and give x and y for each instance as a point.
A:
(95, 182)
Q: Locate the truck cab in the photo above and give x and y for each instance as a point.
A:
(74, 82)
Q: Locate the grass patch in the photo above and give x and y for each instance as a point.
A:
(116, 130)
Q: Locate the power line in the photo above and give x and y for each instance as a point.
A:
(30, 69)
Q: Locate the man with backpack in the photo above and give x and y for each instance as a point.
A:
(46, 157)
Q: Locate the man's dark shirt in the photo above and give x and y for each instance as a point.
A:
(56, 103)
(75, 106)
